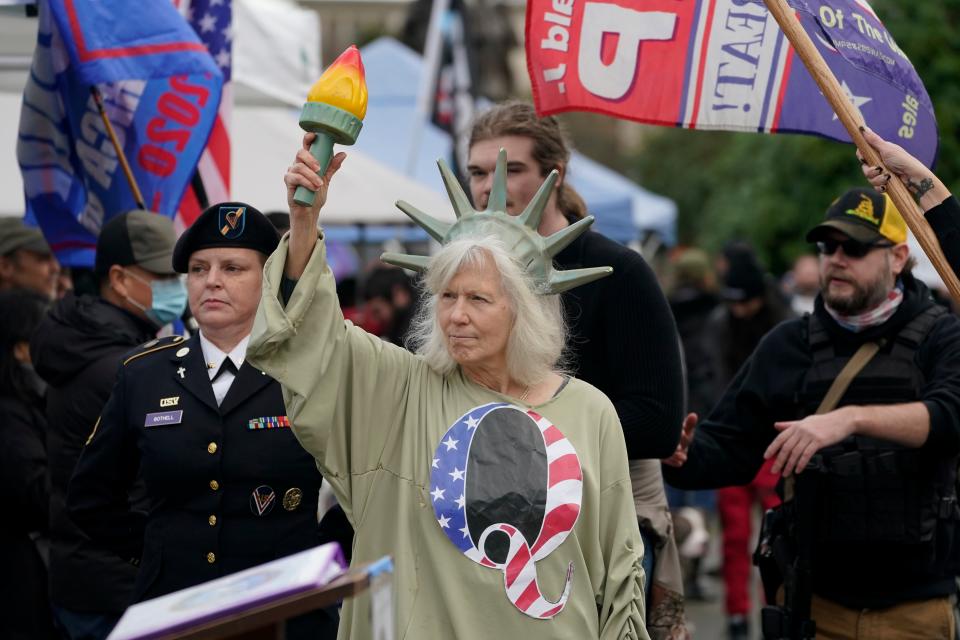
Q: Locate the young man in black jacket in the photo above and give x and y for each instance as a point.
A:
(884, 462)
(77, 350)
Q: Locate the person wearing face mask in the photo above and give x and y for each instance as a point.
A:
(77, 349)
(229, 486)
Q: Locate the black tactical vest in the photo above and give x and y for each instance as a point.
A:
(876, 491)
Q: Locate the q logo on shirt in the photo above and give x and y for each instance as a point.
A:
(506, 487)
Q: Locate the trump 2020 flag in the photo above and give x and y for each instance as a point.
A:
(161, 91)
(724, 64)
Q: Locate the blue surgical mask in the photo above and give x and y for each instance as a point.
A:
(169, 300)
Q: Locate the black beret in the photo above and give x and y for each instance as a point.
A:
(228, 224)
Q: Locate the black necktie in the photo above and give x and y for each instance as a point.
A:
(226, 365)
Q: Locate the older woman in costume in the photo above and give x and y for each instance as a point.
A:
(499, 485)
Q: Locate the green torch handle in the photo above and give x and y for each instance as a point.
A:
(322, 150)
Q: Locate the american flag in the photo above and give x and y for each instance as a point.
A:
(448, 482)
(213, 22)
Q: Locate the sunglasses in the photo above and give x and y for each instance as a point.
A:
(851, 248)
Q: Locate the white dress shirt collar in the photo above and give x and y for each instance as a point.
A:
(214, 357)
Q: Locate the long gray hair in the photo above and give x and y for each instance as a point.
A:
(538, 333)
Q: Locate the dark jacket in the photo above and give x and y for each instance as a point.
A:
(944, 219)
(202, 465)
(728, 447)
(624, 342)
(24, 607)
(691, 309)
(733, 339)
(77, 350)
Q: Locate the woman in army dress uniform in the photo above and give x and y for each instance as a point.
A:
(229, 485)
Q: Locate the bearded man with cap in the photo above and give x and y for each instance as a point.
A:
(870, 479)
(229, 486)
(76, 350)
(26, 261)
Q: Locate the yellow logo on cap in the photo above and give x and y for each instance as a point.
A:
(864, 210)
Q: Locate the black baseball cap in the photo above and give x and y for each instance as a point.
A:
(228, 224)
(864, 215)
(137, 237)
(744, 279)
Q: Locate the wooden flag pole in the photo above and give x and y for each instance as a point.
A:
(852, 119)
(137, 196)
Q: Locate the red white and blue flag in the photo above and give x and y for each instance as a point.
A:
(724, 64)
(507, 488)
(213, 22)
(161, 91)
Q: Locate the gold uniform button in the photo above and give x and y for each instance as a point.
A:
(214, 485)
(212, 447)
(211, 557)
(212, 520)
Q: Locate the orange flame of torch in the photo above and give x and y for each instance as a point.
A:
(343, 84)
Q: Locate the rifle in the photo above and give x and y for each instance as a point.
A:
(785, 558)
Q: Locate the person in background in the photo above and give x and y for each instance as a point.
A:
(228, 484)
(24, 544)
(390, 302)
(64, 282)
(751, 308)
(802, 284)
(280, 221)
(26, 261)
(77, 349)
(622, 338)
(693, 299)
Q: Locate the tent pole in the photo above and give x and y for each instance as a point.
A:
(432, 52)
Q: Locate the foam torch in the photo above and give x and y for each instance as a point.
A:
(335, 108)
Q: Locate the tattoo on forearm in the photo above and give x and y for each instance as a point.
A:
(920, 188)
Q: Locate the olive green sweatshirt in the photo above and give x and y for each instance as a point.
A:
(504, 520)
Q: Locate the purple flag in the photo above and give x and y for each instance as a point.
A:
(874, 72)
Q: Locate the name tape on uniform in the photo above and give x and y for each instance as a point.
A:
(163, 418)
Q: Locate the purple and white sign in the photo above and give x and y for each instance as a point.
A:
(225, 596)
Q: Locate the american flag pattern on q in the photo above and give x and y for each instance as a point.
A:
(507, 487)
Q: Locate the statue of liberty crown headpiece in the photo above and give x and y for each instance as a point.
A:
(518, 233)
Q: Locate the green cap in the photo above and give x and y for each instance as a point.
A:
(14, 235)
